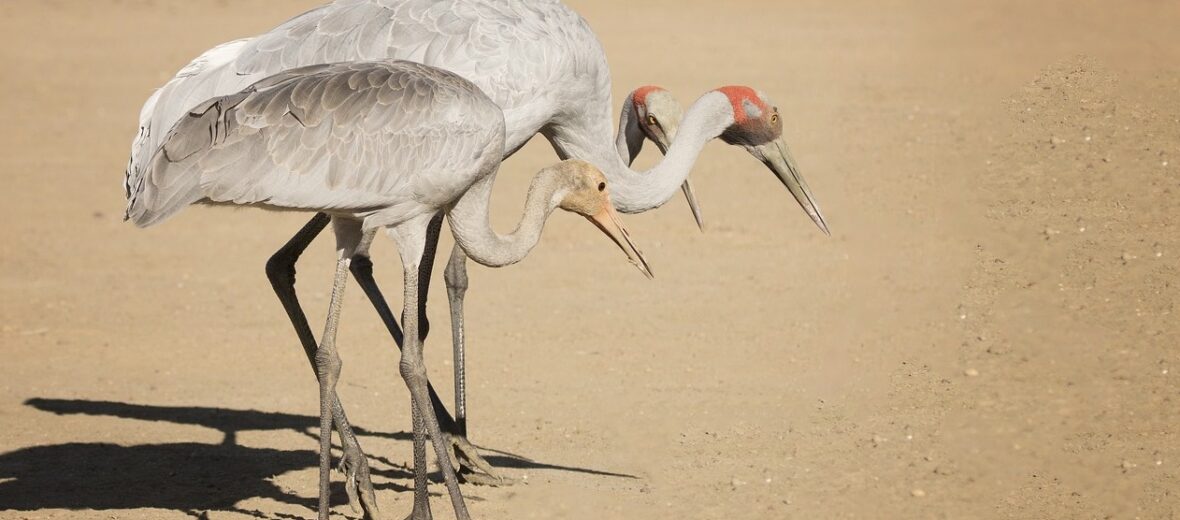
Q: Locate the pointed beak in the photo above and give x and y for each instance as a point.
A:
(687, 188)
(692, 203)
(607, 220)
(777, 157)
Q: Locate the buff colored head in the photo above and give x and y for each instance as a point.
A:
(584, 191)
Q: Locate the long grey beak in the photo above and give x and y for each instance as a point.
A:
(692, 203)
(777, 157)
(688, 192)
(608, 221)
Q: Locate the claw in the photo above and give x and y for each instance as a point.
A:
(473, 468)
(350, 485)
(357, 484)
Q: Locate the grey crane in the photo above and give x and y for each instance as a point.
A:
(537, 59)
(387, 146)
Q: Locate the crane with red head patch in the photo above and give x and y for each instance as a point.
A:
(758, 128)
(652, 112)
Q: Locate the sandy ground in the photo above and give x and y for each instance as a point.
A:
(987, 334)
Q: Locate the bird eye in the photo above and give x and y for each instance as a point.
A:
(651, 120)
(774, 118)
(602, 186)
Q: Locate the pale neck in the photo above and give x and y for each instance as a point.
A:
(470, 220)
(636, 192)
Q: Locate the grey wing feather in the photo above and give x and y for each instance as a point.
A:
(534, 59)
(303, 139)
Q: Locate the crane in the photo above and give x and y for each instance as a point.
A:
(538, 60)
(389, 145)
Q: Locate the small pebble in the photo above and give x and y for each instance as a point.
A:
(971, 372)
(918, 493)
(735, 483)
(1128, 464)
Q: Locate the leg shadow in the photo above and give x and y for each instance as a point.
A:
(185, 477)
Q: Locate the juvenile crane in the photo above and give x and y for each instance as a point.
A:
(376, 145)
(538, 60)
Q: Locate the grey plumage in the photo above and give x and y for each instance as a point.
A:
(349, 137)
(388, 144)
(506, 48)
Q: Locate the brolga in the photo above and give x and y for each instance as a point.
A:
(387, 146)
(538, 60)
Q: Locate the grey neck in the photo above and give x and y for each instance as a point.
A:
(636, 192)
(470, 220)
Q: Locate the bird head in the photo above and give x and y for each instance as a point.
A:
(658, 115)
(757, 126)
(584, 191)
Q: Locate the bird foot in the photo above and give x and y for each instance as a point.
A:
(420, 514)
(473, 468)
(358, 486)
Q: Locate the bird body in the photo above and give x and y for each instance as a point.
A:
(538, 60)
(376, 141)
(388, 144)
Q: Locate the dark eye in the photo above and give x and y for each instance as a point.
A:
(601, 186)
(651, 120)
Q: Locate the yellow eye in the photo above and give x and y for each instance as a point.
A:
(774, 118)
(651, 120)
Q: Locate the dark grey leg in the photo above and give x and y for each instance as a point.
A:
(464, 452)
(280, 269)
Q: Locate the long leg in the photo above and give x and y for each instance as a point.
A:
(421, 497)
(455, 277)
(349, 240)
(280, 269)
(465, 452)
(412, 244)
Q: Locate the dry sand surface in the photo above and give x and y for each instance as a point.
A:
(989, 332)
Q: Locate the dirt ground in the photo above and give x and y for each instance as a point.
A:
(989, 332)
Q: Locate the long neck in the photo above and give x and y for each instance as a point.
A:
(630, 139)
(636, 192)
(470, 220)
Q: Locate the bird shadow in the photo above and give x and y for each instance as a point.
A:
(187, 477)
(193, 478)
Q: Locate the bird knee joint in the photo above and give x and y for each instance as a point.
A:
(328, 363)
(281, 268)
(412, 372)
(456, 281)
